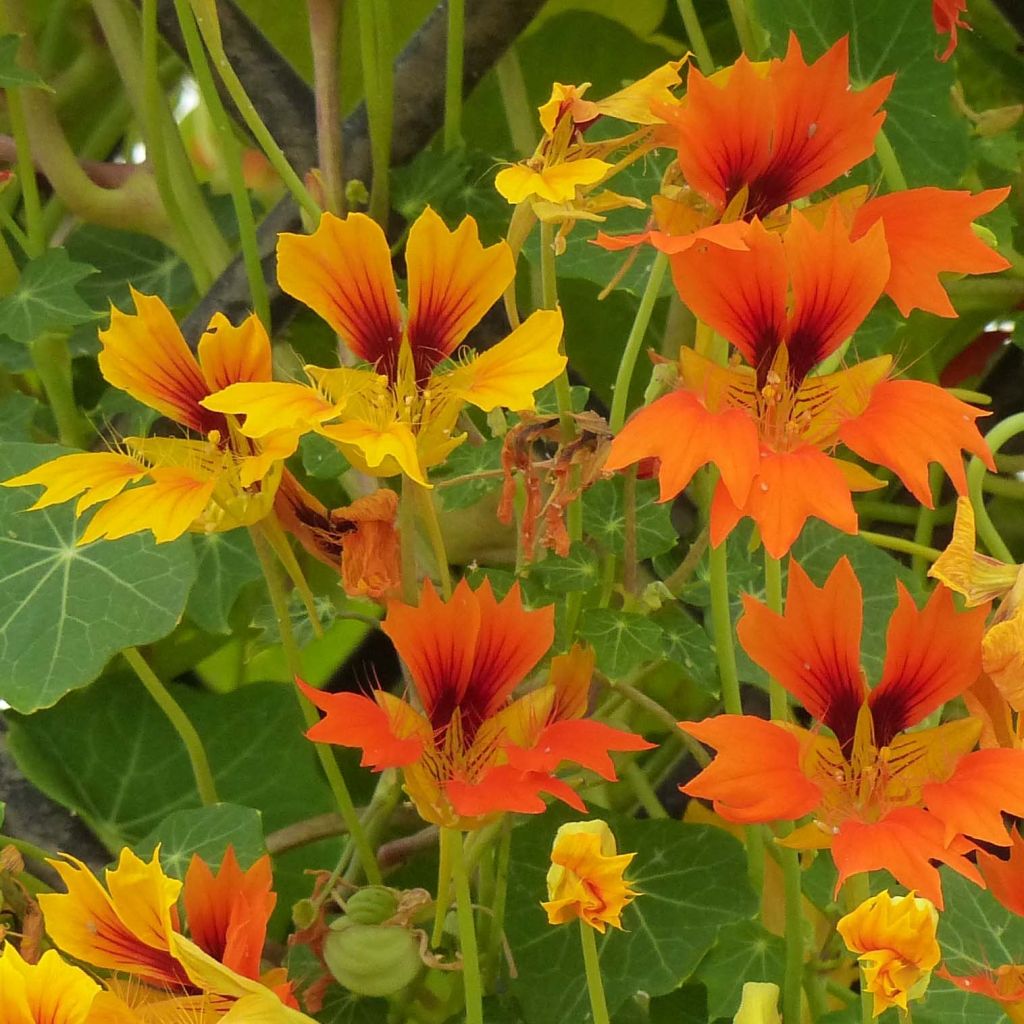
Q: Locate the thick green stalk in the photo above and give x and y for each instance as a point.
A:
(925, 525)
(744, 29)
(293, 657)
(514, 98)
(627, 364)
(51, 359)
(592, 966)
(453, 74)
(230, 150)
(792, 989)
(695, 34)
(721, 630)
(995, 438)
(407, 540)
(432, 526)
(773, 594)
(644, 792)
(895, 179)
(444, 883)
(26, 175)
(496, 926)
(471, 980)
(181, 723)
(901, 544)
(26, 849)
(377, 68)
(325, 20)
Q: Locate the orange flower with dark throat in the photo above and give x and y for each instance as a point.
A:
(473, 752)
(772, 427)
(881, 796)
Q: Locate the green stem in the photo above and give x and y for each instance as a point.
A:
(444, 884)
(995, 439)
(496, 928)
(592, 965)
(891, 170)
(432, 526)
(467, 931)
(901, 544)
(26, 849)
(325, 20)
(644, 792)
(773, 594)
(206, 17)
(181, 723)
(377, 69)
(925, 526)
(514, 99)
(407, 540)
(629, 548)
(630, 353)
(792, 991)
(695, 34)
(51, 360)
(453, 74)
(721, 629)
(744, 30)
(36, 240)
(230, 151)
(293, 658)
(857, 889)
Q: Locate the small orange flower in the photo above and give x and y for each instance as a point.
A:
(472, 752)
(1004, 985)
(585, 879)
(946, 15)
(894, 938)
(881, 796)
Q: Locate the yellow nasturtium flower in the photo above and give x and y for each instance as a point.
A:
(894, 940)
(585, 879)
(398, 413)
(48, 992)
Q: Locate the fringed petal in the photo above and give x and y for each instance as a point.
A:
(229, 355)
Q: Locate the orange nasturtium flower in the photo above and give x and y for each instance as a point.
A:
(894, 938)
(881, 796)
(398, 414)
(772, 426)
(585, 880)
(48, 992)
(131, 928)
(946, 14)
(473, 752)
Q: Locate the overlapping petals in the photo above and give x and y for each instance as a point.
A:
(474, 752)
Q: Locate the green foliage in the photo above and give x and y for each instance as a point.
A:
(66, 609)
(225, 563)
(12, 74)
(623, 641)
(604, 518)
(206, 832)
(47, 298)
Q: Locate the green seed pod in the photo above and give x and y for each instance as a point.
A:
(304, 913)
(372, 959)
(373, 904)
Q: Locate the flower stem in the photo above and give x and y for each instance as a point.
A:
(35, 238)
(325, 21)
(230, 151)
(378, 91)
(407, 539)
(891, 170)
(592, 965)
(51, 360)
(773, 593)
(995, 438)
(181, 723)
(26, 849)
(428, 514)
(627, 364)
(515, 100)
(453, 74)
(496, 928)
(293, 658)
(467, 931)
(695, 34)
(925, 526)
(644, 792)
(721, 628)
(901, 544)
(792, 990)
(744, 29)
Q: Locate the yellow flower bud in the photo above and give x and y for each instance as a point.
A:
(894, 939)
(759, 1004)
(585, 879)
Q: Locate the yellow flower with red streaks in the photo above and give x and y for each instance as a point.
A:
(881, 796)
(473, 752)
(131, 928)
(586, 878)
(894, 938)
(398, 415)
(48, 992)
(755, 137)
(217, 480)
(772, 426)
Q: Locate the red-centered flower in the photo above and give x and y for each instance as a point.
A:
(779, 130)
(772, 427)
(881, 796)
(946, 16)
(473, 752)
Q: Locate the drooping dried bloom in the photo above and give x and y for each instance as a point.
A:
(585, 879)
(894, 938)
(473, 752)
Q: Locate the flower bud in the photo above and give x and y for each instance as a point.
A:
(373, 904)
(759, 1004)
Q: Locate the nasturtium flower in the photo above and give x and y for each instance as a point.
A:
(980, 579)
(48, 992)
(1004, 985)
(946, 14)
(1004, 876)
(894, 938)
(880, 795)
(398, 413)
(772, 426)
(586, 878)
(473, 752)
(132, 929)
(216, 479)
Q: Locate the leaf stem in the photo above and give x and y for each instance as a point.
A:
(925, 526)
(34, 234)
(432, 526)
(51, 359)
(515, 100)
(901, 544)
(407, 540)
(592, 966)
(444, 883)
(181, 723)
(325, 24)
(891, 170)
(995, 439)
(496, 927)
(644, 792)
(721, 630)
(695, 34)
(328, 763)
(378, 93)
(453, 74)
(773, 593)
(471, 980)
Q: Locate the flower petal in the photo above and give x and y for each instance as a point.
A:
(97, 476)
(556, 184)
(229, 354)
(272, 406)
(582, 741)
(382, 449)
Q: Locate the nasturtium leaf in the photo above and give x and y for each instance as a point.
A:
(479, 464)
(123, 258)
(579, 570)
(692, 878)
(929, 140)
(66, 609)
(342, 1007)
(47, 298)
(744, 952)
(225, 563)
(16, 414)
(208, 832)
(321, 458)
(12, 74)
(686, 645)
(622, 641)
(109, 754)
(604, 518)
(686, 1005)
